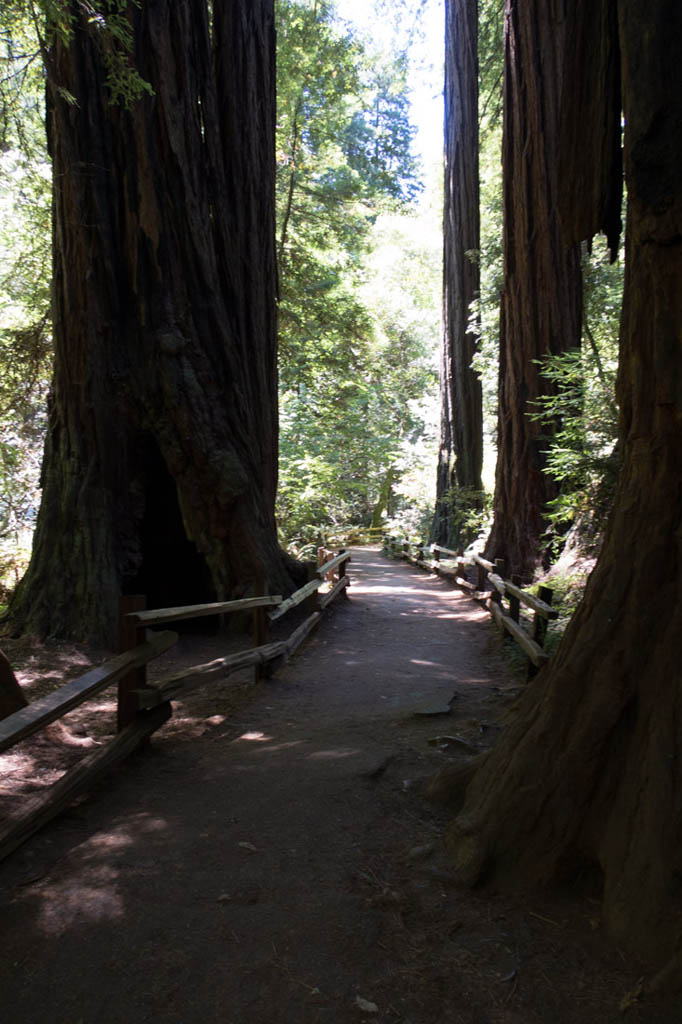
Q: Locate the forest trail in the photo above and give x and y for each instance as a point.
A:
(283, 866)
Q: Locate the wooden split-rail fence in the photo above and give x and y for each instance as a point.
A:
(504, 598)
(143, 706)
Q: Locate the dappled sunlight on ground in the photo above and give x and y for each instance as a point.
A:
(12, 763)
(332, 755)
(274, 748)
(116, 840)
(405, 592)
(420, 611)
(40, 666)
(267, 745)
(90, 899)
(88, 891)
(216, 719)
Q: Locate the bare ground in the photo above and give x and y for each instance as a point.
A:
(270, 858)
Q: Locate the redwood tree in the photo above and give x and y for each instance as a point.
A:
(160, 462)
(540, 306)
(460, 457)
(12, 697)
(589, 772)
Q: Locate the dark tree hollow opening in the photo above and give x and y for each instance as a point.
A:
(172, 571)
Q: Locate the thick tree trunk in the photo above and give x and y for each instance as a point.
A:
(540, 310)
(590, 154)
(11, 694)
(590, 771)
(160, 465)
(460, 457)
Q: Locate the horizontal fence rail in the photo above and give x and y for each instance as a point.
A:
(159, 616)
(502, 597)
(41, 712)
(143, 706)
(300, 595)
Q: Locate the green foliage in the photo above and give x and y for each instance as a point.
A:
(581, 416)
(21, 84)
(470, 512)
(490, 64)
(109, 22)
(349, 427)
(353, 362)
(342, 154)
(567, 581)
(485, 313)
(568, 588)
(42, 22)
(25, 338)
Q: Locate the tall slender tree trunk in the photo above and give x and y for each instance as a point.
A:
(460, 458)
(589, 774)
(160, 465)
(384, 499)
(540, 308)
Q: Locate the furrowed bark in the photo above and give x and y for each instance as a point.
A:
(590, 772)
(160, 465)
(460, 457)
(540, 307)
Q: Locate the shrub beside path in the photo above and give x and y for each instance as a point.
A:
(278, 864)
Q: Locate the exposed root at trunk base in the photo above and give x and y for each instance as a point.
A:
(447, 787)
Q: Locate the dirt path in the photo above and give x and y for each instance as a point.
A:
(283, 867)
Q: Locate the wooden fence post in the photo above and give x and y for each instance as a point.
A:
(514, 603)
(499, 571)
(260, 632)
(406, 548)
(496, 597)
(312, 603)
(539, 626)
(130, 635)
(342, 571)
